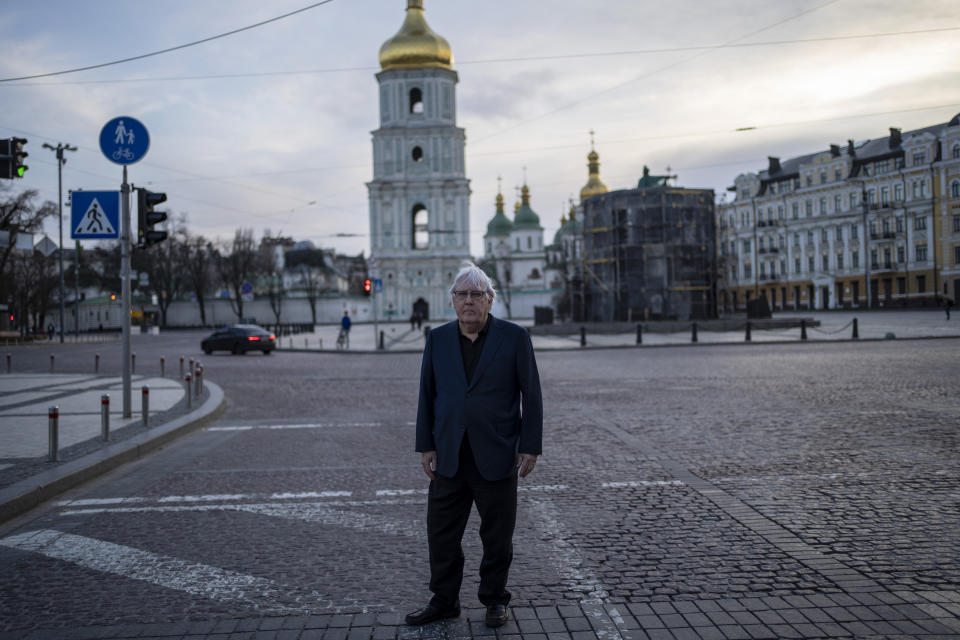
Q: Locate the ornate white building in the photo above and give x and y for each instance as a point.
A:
(419, 195)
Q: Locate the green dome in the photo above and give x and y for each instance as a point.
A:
(500, 225)
(526, 218)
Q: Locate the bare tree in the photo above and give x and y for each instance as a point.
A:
(237, 265)
(19, 213)
(313, 269)
(36, 279)
(197, 258)
(165, 274)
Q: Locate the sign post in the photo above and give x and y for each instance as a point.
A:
(373, 269)
(125, 140)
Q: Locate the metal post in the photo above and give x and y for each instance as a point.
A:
(693, 333)
(76, 292)
(133, 363)
(105, 417)
(96, 363)
(803, 329)
(181, 367)
(51, 363)
(639, 334)
(856, 330)
(583, 336)
(199, 380)
(9, 363)
(163, 367)
(125, 292)
(145, 404)
(746, 338)
(198, 376)
(188, 380)
(190, 367)
(53, 434)
(381, 340)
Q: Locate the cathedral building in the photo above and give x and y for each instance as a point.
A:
(419, 195)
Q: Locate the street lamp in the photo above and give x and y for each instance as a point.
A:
(61, 160)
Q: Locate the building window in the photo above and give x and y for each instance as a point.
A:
(529, 242)
(840, 262)
(886, 226)
(763, 271)
(871, 196)
(837, 206)
(873, 259)
(746, 246)
(420, 220)
(854, 232)
(921, 284)
(747, 271)
(955, 152)
(873, 228)
(416, 100)
(823, 206)
(823, 176)
(853, 199)
(795, 209)
(901, 254)
(956, 224)
(921, 252)
(810, 236)
(901, 286)
(956, 255)
(884, 196)
(839, 233)
(838, 175)
(919, 157)
(796, 263)
(824, 236)
(920, 223)
(796, 239)
(855, 259)
(780, 212)
(826, 262)
(898, 192)
(783, 266)
(810, 264)
(886, 258)
(783, 241)
(809, 207)
(760, 246)
(809, 180)
(899, 224)
(417, 154)
(955, 189)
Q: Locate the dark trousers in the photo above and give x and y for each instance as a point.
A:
(449, 501)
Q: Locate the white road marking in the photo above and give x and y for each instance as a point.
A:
(641, 483)
(232, 507)
(227, 497)
(401, 492)
(314, 425)
(196, 579)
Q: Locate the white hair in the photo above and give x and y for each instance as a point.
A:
(471, 274)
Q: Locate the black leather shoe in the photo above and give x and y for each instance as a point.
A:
(497, 615)
(431, 613)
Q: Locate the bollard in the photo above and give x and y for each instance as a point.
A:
(583, 336)
(693, 332)
(133, 363)
(181, 367)
(188, 380)
(746, 338)
(105, 417)
(163, 367)
(190, 367)
(96, 363)
(639, 334)
(9, 362)
(856, 330)
(197, 377)
(319, 344)
(51, 363)
(145, 404)
(803, 329)
(201, 379)
(381, 341)
(306, 343)
(53, 433)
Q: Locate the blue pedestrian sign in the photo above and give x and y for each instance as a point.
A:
(94, 214)
(378, 285)
(124, 140)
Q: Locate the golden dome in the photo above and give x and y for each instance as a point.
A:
(416, 45)
(594, 183)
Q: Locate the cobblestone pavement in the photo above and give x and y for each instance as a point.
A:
(788, 491)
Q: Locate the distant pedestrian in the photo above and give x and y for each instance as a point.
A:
(51, 330)
(343, 341)
(479, 427)
(413, 321)
(946, 306)
(419, 319)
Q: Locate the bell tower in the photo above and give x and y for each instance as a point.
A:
(419, 195)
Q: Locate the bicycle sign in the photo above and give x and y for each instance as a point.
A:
(124, 140)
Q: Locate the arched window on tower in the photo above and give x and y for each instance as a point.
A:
(416, 100)
(420, 221)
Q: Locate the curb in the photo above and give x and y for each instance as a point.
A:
(23, 496)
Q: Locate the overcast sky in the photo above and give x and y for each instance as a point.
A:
(270, 128)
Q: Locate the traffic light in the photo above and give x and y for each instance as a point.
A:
(147, 217)
(11, 158)
(366, 286)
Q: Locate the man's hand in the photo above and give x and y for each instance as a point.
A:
(525, 463)
(429, 461)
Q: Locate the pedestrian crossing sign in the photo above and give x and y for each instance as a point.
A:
(94, 214)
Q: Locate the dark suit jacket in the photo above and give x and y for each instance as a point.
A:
(500, 409)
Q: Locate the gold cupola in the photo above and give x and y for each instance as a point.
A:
(594, 184)
(416, 45)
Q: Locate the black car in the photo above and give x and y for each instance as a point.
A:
(240, 338)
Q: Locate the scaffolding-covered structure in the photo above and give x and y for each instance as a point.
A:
(650, 253)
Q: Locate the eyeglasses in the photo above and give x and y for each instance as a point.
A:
(460, 296)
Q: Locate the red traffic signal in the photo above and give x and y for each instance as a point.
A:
(367, 286)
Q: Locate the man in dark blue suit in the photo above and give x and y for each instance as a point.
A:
(479, 427)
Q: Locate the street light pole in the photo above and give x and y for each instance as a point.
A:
(59, 149)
